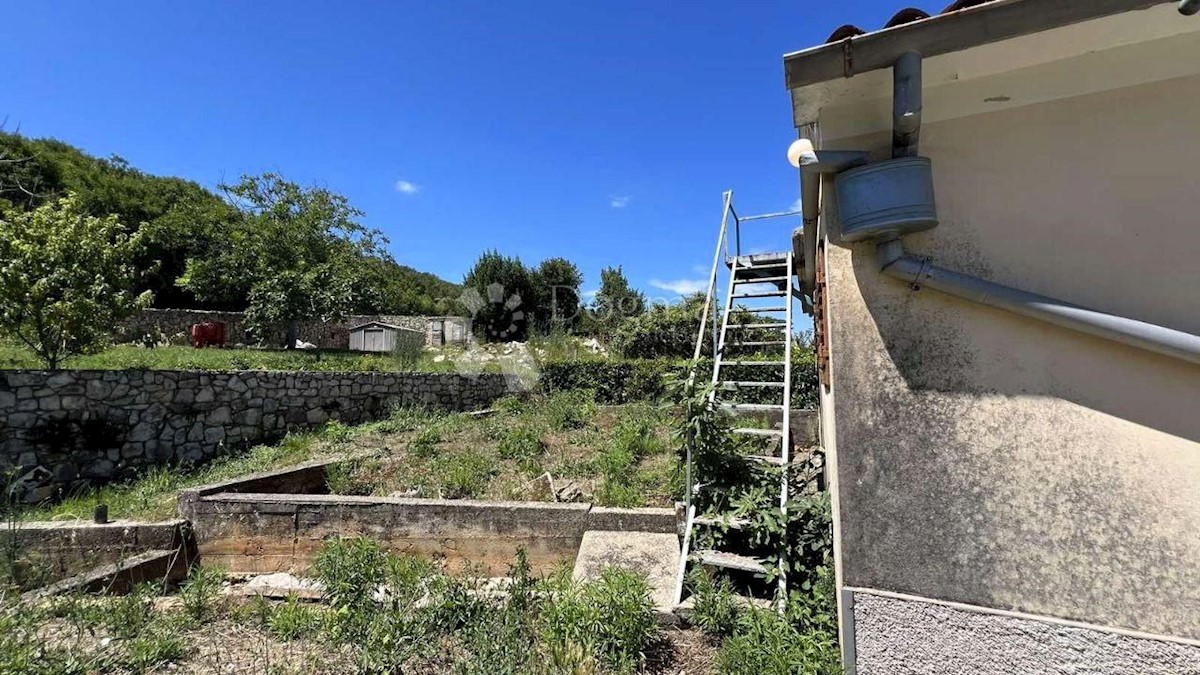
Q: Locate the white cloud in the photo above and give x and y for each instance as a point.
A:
(795, 205)
(619, 202)
(681, 286)
(590, 295)
(407, 187)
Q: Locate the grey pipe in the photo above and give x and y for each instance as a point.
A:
(906, 105)
(894, 262)
(810, 210)
(1189, 7)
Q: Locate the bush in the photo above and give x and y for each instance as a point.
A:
(766, 643)
(664, 331)
(292, 620)
(201, 592)
(520, 443)
(610, 619)
(572, 409)
(614, 382)
(465, 475)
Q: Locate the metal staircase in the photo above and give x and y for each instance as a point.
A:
(747, 358)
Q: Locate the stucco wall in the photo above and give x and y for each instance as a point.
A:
(994, 460)
(895, 635)
(175, 324)
(62, 430)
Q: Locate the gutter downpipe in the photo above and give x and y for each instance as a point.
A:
(919, 273)
(810, 211)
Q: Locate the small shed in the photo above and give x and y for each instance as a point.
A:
(380, 337)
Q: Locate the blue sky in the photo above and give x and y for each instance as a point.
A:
(603, 132)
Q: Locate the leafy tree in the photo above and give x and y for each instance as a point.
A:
(294, 254)
(404, 290)
(557, 283)
(500, 296)
(66, 278)
(663, 331)
(615, 301)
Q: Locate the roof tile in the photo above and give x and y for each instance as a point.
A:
(907, 15)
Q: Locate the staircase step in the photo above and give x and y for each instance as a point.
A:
(731, 561)
(750, 326)
(743, 362)
(757, 343)
(760, 310)
(759, 280)
(765, 433)
(762, 294)
(752, 407)
(738, 385)
(731, 523)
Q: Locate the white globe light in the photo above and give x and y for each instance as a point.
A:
(798, 149)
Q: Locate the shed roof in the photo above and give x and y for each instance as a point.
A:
(381, 324)
(851, 50)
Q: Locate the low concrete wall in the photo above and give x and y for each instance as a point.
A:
(260, 533)
(895, 635)
(70, 428)
(68, 548)
(175, 325)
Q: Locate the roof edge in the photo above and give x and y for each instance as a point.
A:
(945, 33)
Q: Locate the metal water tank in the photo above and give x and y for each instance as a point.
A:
(884, 200)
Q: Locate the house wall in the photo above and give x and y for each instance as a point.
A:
(992, 460)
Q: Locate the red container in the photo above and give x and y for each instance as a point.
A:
(208, 334)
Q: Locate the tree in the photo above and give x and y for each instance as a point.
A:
(615, 301)
(557, 305)
(499, 294)
(66, 278)
(294, 253)
(664, 331)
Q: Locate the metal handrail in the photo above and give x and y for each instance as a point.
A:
(722, 242)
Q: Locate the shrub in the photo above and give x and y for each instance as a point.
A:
(292, 620)
(349, 477)
(351, 570)
(716, 609)
(520, 443)
(200, 593)
(465, 475)
(766, 643)
(426, 442)
(409, 347)
(614, 382)
(664, 331)
(610, 619)
(151, 648)
(571, 409)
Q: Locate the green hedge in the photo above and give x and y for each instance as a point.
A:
(616, 381)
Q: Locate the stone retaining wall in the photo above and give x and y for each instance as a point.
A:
(175, 326)
(65, 429)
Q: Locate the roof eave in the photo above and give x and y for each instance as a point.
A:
(945, 33)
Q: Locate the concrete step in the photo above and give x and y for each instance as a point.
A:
(654, 555)
(731, 561)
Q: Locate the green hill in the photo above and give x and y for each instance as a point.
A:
(182, 218)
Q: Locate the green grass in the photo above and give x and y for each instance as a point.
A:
(122, 357)
(616, 456)
(619, 456)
